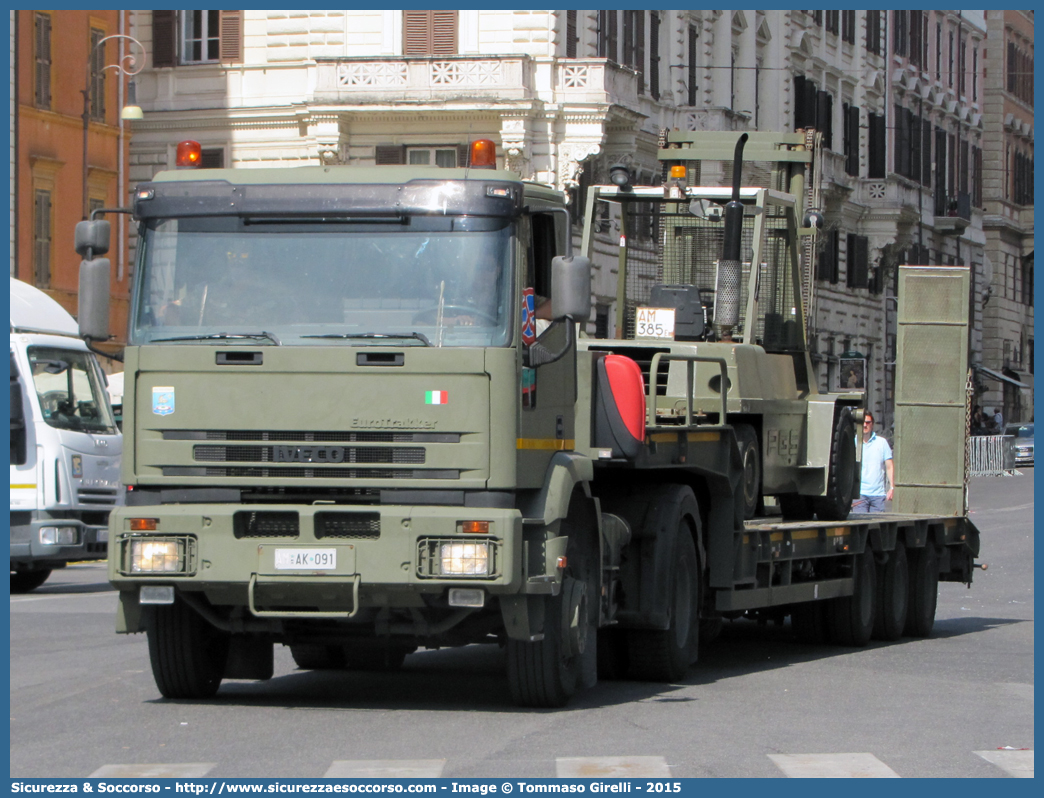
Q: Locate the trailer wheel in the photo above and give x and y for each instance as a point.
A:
(924, 592)
(665, 655)
(837, 503)
(893, 595)
(851, 618)
(809, 622)
(546, 673)
(750, 456)
(187, 654)
(318, 657)
(25, 581)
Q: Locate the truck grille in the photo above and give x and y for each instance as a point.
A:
(312, 473)
(98, 496)
(299, 436)
(266, 525)
(337, 454)
(348, 526)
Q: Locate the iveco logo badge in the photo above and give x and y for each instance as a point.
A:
(163, 401)
(309, 454)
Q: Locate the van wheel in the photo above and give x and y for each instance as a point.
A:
(924, 592)
(318, 657)
(546, 673)
(750, 456)
(187, 654)
(893, 595)
(841, 486)
(665, 655)
(851, 618)
(25, 581)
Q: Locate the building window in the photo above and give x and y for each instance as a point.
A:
(900, 32)
(42, 57)
(831, 22)
(975, 75)
(848, 25)
(949, 61)
(196, 37)
(432, 156)
(938, 51)
(654, 54)
(634, 44)
(977, 177)
(962, 70)
(42, 238)
(607, 35)
(873, 32)
(916, 51)
(851, 139)
(691, 65)
(212, 158)
(876, 132)
(827, 262)
(570, 36)
(97, 76)
(857, 266)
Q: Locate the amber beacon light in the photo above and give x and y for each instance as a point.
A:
(189, 155)
(483, 154)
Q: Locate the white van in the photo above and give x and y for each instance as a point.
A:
(65, 446)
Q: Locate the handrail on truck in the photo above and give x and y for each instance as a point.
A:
(654, 368)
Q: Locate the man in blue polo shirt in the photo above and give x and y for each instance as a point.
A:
(878, 475)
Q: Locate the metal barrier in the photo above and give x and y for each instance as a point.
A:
(991, 455)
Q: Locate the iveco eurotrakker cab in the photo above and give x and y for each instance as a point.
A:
(346, 436)
(65, 448)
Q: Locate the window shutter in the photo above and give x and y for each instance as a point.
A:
(444, 32)
(876, 150)
(390, 154)
(825, 117)
(611, 36)
(926, 153)
(639, 48)
(231, 37)
(429, 32)
(691, 66)
(43, 60)
(164, 38)
(799, 101)
(654, 56)
(851, 143)
(570, 38)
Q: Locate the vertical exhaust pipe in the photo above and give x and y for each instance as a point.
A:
(730, 267)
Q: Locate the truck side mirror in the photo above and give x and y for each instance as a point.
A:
(94, 298)
(92, 238)
(571, 288)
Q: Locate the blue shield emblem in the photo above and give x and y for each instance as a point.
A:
(163, 401)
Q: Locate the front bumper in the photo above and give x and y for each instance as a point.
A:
(74, 541)
(283, 561)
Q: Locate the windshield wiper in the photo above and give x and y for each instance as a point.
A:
(374, 336)
(221, 336)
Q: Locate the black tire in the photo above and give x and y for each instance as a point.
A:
(318, 657)
(25, 581)
(893, 595)
(665, 655)
(841, 481)
(188, 655)
(796, 507)
(924, 592)
(750, 456)
(809, 622)
(851, 618)
(546, 673)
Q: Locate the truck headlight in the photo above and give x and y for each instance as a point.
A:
(464, 559)
(155, 556)
(59, 535)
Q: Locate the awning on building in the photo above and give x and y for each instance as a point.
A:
(996, 375)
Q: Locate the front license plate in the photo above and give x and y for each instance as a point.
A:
(305, 559)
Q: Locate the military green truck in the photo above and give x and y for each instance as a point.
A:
(347, 433)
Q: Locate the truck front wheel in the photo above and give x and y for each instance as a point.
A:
(188, 654)
(665, 655)
(25, 581)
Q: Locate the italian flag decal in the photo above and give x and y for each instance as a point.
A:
(436, 398)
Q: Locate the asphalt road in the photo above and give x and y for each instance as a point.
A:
(758, 704)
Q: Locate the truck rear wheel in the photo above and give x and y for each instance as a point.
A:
(546, 673)
(25, 581)
(750, 456)
(851, 618)
(837, 503)
(665, 655)
(893, 595)
(187, 654)
(318, 657)
(924, 592)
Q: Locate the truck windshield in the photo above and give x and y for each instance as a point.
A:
(70, 390)
(403, 281)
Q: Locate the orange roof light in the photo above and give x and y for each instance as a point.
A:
(190, 155)
(475, 527)
(678, 172)
(143, 524)
(483, 154)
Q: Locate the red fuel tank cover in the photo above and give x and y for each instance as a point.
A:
(628, 387)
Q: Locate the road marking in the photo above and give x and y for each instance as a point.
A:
(385, 769)
(833, 766)
(170, 771)
(624, 767)
(1017, 764)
